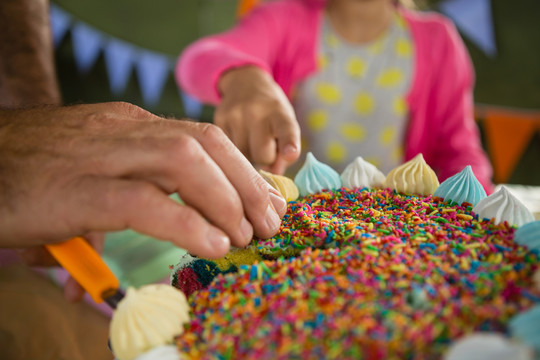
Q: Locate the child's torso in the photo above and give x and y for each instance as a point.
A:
(354, 105)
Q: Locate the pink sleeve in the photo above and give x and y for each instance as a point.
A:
(253, 41)
(458, 141)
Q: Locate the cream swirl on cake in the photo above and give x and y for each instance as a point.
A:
(164, 352)
(488, 346)
(360, 174)
(529, 235)
(503, 206)
(315, 176)
(462, 187)
(413, 177)
(283, 184)
(146, 318)
(526, 327)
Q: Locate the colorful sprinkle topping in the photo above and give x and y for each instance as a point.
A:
(365, 274)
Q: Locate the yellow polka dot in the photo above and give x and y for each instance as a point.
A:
(397, 154)
(328, 93)
(322, 61)
(364, 103)
(399, 106)
(356, 67)
(403, 47)
(390, 78)
(374, 160)
(336, 152)
(353, 132)
(317, 120)
(332, 41)
(387, 135)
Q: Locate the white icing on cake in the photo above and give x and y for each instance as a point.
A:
(488, 346)
(503, 206)
(360, 173)
(165, 352)
(146, 318)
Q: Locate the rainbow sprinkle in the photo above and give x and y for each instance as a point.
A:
(364, 274)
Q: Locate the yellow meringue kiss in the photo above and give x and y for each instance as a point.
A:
(283, 184)
(413, 177)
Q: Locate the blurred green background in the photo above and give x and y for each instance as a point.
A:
(511, 79)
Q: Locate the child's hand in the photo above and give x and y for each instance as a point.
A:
(258, 118)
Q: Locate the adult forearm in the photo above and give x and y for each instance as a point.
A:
(27, 73)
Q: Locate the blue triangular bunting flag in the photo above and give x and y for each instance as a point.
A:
(474, 19)
(87, 44)
(152, 68)
(192, 107)
(152, 72)
(119, 57)
(60, 22)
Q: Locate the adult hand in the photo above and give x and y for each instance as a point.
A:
(257, 116)
(106, 167)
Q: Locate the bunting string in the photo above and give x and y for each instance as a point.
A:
(121, 60)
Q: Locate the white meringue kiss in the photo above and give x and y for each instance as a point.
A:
(503, 206)
(360, 174)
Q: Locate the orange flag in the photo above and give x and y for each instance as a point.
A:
(507, 135)
(244, 6)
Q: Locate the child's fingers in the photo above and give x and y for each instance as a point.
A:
(233, 125)
(262, 145)
(238, 134)
(279, 166)
(287, 132)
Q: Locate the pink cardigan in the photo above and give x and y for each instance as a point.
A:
(281, 38)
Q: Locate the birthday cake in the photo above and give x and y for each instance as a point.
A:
(368, 266)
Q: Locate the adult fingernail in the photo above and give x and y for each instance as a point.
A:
(279, 203)
(217, 240)
(247, 230)
(273, 221)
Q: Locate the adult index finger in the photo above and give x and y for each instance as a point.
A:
(262, 205)
(118, 204)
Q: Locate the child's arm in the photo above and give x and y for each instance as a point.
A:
(255, 41)
(257, 116)
(234, 69)
(457, 139)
